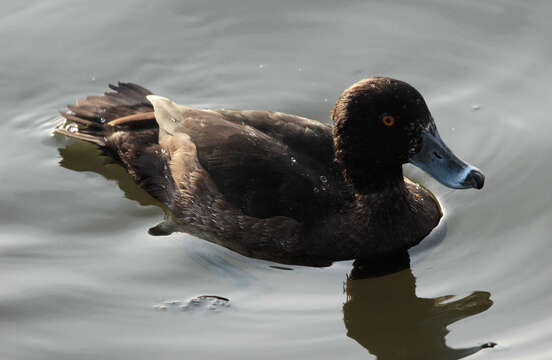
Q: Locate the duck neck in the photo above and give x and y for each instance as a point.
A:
(378, 180)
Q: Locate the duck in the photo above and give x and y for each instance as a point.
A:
(277, 186)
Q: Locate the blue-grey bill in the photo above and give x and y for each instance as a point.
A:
(439, 161)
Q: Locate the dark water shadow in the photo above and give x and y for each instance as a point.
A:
(82, 156)
(384, 315)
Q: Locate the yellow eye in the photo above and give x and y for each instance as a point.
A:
(388, 120)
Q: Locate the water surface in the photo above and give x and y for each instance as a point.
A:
(81, 277)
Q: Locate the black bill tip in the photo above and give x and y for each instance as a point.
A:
(476, 179)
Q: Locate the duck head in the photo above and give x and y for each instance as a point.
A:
(381, 123)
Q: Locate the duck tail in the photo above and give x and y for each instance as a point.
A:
(96, 117)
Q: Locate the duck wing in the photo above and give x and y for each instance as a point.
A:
(302, 135)
(264, 163)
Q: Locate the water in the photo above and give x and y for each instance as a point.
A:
(81, 277)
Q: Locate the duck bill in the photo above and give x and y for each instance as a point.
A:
(439, 161)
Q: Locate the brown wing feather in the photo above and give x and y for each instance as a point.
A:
(303, 135)
(261, 174)
(145, 160)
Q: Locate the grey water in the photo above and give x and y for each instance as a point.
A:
(82, 279)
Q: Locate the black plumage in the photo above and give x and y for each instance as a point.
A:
(273, 185)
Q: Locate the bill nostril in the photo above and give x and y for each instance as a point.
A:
(437, 155)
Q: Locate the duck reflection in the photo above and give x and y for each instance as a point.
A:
(82, 156)
(383, 313)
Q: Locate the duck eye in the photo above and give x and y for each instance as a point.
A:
(388, 120)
